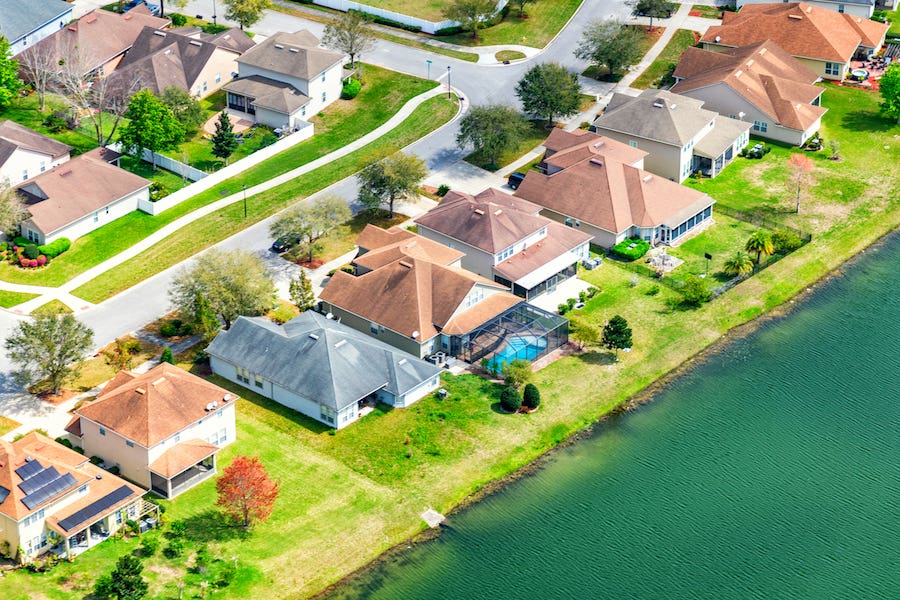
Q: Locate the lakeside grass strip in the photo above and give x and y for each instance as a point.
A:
(217, 226)
(385, 93)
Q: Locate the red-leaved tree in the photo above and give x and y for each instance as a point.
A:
(246, 494)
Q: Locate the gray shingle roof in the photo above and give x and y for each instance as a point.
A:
(656, 115)
(20, 17)
(296, 54)
(319, 359)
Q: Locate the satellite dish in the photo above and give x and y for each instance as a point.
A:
(718, 38)
(415, 334)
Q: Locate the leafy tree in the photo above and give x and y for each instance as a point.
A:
(151, 125)
(39, 66)
(889, 88)
(532, 396)
(301, 292)
(121, 355)
(47, 347)
(245, 491)
(224, 142)
(510, 399)
(126, 581)
(167, 356)
(517, 372)
(491, 129)
(655, 9)
(203, 318)
(801, 172)
(610, 43)
(393, 178)
(521, 5)
(312, 222)
(549, 89)
(351, 34)
(12, 209)
(760, 242)
(10, 83)
(246, 12)
(471, 14)
(186, 108)
(583, 332)
(694, 291)
(740, 263)
(225, 283)
(617, 335)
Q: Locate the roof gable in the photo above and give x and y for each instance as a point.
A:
(294, 54)
(13, 136)
(656, 115)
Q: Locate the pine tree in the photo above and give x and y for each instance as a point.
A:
(224, 143)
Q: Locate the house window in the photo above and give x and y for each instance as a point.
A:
(760, 126)
(506, 253)
(303, 111)
(218, 77)
(96, 217)
(220, 413)
(177, 438)
(129, 443)
(243, 375)
(323, 76)
(102, 431)
(840, 8)
(24, 174)
(327, 413)
(31, 235)
(258, 381)
(375, 328)
(204, 86)
(833, 68)
(43, 166)
(632, 143)
(323, 97)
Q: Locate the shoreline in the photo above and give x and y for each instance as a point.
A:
(645, 396)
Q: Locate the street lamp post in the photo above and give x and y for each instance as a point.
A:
(448, 82)
(244, 188)
(214, 12)
(427, 69)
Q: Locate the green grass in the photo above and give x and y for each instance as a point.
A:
(707, 12)
(509, 55)
(215, 227)
(543, 21)
(659, 73)
(25, 111)
(648, 38)
(9, 299)
(54, 307)
(343, 239)
(534, 136)
(7, 425)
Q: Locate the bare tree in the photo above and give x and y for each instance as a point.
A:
(39, 66)
(351, 34)
(12, 209)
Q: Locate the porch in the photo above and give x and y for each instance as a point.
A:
(182, 467)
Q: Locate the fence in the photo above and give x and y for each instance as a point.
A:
(426, 26)
(761, 221)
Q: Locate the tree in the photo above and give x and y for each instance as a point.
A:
(224, 283)
(760, 242)
(889, 88)
(655, 9)
(532, 396)
(471, 14)
(583, 333)
(740, 263)
(246, 12)
(393, 178)
(224, 142)
(521, 4)
(126, 581)
(312, 222)
(510, 399)
(694, 291)
(186, 108)
(151, 125)
(39, 65)
(46, 348)
(167, 356)
(245, 491)
(351, 34)
(491, 129)
(549, 89)
(12, 209)
(801, 173)
(10, 84)
(617, 335)
(517, 372)
(301, 292)
(610, 43)
(203, 318)
(121, 355)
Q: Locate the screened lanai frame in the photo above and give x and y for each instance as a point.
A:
(520, 320)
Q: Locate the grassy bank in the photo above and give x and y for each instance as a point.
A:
(659, 73)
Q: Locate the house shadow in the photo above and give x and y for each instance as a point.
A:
(595, 357)
(211, 526)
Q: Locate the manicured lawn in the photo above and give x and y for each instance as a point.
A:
(10, 299)
(706, 11)
(96, 370)
(54, 307)
(343, 240)
(722, 240)
(7, 425)
(509, 55)
(659, 73)
(25, 111)
(535, 135)
(543, 21)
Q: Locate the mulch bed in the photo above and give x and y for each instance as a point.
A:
(57, 399)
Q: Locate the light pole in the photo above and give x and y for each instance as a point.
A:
(244, 188)
(214, 12)
(448, 82)
(427, 69)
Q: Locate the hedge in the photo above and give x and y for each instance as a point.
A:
(631, 249)
(55, 248)
(351, 89)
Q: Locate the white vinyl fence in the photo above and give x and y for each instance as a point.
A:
(426, 26)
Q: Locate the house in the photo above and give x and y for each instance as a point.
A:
(599, 185)
(162, 428)
(860, 8)
(505, 239)
(26, 22)
(25, 153)
(319, 367)
(760, 83)
(379, 247)
(50, 494)
(417, 300)
(195, 62)
(286, 79)
(79, 196)
(96, 42)
(680, 136)
(823, 40)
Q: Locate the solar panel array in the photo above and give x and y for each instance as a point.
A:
(29, 468)
(39, 484)
(95, 508)
(3, 494)
(39, 480)
(48, 491)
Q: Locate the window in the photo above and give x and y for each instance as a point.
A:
(760, 126)
(219, 413)
(96, 217)
(632, 143)
(204, 86)
(129, 443)
(43, 166)
(218, 77)
(258, 381)
(840, 8)
(303, 111)
(327, 413)
(102, 431)
(375, 327)
(243, 375)
(177, 438)
(506, 253)
(323, 97)
(24, 174)
(323, 80)
(833, 68)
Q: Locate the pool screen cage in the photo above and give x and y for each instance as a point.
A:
(519, 321)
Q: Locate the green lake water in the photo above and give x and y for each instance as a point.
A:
(772, 470)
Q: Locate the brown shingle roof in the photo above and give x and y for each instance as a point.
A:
(763, 73)
(560, 239)
(566, 148)
(182, 456)
(153, 406)
(296, 54)
(13, 135)
(801, 29)
(385, 246)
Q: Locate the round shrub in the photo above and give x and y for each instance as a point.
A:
(168, 329)
(786, 241)
(532, 396)
(56, 247)
(351, 89)
(178, 20)
(31, 251)
(167, 356)
(631, 249)
(510, 399)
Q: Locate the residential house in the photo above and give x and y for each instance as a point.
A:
(506, 239)
(319, 367)
(195, 62)
(285, 80)
(679, 135)
(26, 22)
(413, 298)
(25, 153)
(79, 196)
(860, 8)
(379, 247)
(598, 184)
(162, 428)
(50, 494)
(760, 83)
(823, 40)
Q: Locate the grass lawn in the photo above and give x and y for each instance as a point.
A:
(25, 111)
(722, 240)
(543, 21)
(343, 239)
(534, 136)
(7, 425)
(9, 299)
(509, 55)
(54, 307)
(706, 11)
(659, 73)
(96, 370)
(648, 39)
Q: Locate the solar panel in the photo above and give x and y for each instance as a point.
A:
(95, 508)
(3, 494)
(39, 480)
(49, 490)
(29, 469)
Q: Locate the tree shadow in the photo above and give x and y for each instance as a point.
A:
(212, 526)
(867, 120)
(495, 406)
(595, 357)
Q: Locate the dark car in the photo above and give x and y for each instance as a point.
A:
(285, 243)
(515, 180)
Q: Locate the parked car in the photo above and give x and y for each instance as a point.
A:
(515, 179)
(285, 243)
(153, 8)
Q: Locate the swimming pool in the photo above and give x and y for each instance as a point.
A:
(526, 347)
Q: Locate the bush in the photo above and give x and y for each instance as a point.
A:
(56, 122)
(443, 189)
(582, 296)
(653, 290)
(351, 89)
(55, 248)
(389, 22)
(786, 241)
(562, 309)
(132, 526)
(695, 291)
(96, 460)
(149, 545)
(213, 28)
(455, 30)
(65, 442)
(174, 549)
(31, 251)
(631, 249)
(166, 356)
(157, 191)
(226, 575)
(20, 241)
(510, 399)
(169, 329)
(177, 529)
(178, 20)
(592, 291)
(4, 246)
(532, 397)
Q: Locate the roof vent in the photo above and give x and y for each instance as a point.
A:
(70, 28)
(478, 211)
(194, 43)
(738, 73)
(659, 103)
(227, 36)
(340, 343)
(795, 17)
(28, 459)
(809, 9)
(646, 178)
(762, 51)
(279, 47)
(91, 19)
(66, 172)
(405, 264)
(313, 336)
(597, 161)
(414, 335)
(718, 38)
(141, 391)
(127, 17)
(294, 50)
(167, 52)
(159, 33)
(226, 397)
(498, 211)
(403, 361)
(599, 144)
(750, 63)
(99, 475)
(158, 381)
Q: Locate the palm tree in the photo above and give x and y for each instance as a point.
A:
(740, 263)
(761, 243)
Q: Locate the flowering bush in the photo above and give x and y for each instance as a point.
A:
(30, 263)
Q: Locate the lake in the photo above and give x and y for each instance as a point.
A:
(770, 470)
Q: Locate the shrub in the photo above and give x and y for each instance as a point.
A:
(455, 30)
(31, 251)
(132, 526)
(390, 22)
(174, 549)
(56, 122)
(166, 356)
(20, 241)
(695, 291)
(510, 399)
(213, 28)
(96, 460)
(562, 309)
(186, 329)
(351, 89)
(582, 296)
(532, 396)
(652, 290)
(149, 545)
(55, 248)
(178, 20)
(168, 329)
(570, 302)
(65, 442)
(631, 249)
(177, 529)
(786, 241)
(4, 246)
(114, 470)
(78, 449)
(157, 191)
(226, 575)
(592, 291)
(443, 189)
